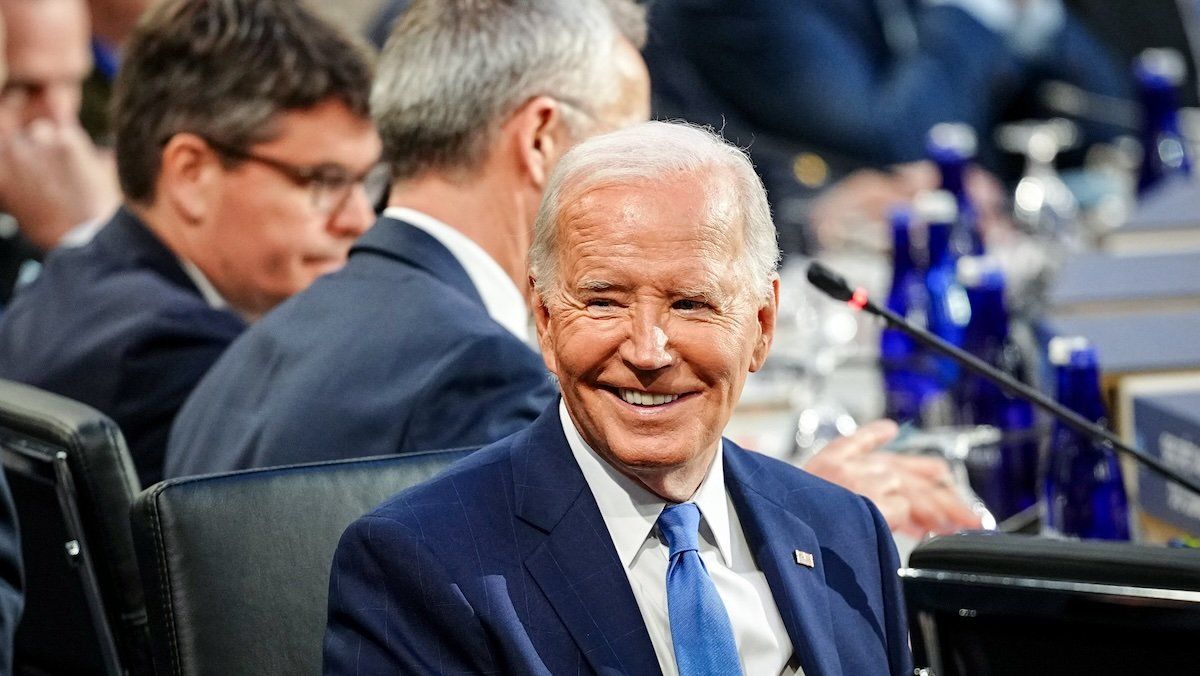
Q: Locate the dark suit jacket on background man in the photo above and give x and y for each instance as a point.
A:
(867, 79)
(330, 374)
(134, 314)
(510, 545)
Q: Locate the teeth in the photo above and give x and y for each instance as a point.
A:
(646, 399)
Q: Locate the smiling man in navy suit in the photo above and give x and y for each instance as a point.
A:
(620, 534)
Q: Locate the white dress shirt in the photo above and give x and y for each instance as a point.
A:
(630, 513)
(501, 297)
(83, 233)
(207, 290)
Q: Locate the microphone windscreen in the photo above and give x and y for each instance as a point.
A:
(829, 281)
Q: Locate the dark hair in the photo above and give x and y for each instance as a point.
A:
(225, 70)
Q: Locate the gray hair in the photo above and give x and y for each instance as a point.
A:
(453, 69)
(648, 152)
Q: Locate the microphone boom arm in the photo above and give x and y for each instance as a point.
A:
(832, 284)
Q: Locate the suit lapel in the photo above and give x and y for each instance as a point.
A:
(774, 533)
(575, 564)
(415, 247)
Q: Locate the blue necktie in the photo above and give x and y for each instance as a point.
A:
(700, 626)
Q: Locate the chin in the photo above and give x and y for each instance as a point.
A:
(648, 455)
(325, 266)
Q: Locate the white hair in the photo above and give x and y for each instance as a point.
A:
(649, 152)
(453, 69)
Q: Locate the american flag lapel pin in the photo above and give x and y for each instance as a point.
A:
(803, 558)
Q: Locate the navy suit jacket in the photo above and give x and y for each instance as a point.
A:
(119, 326)
(503, 564)
(394, 353)
(830, 74)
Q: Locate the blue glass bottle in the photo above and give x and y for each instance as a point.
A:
(1083, 490)
(1004, 476)
(951, 146)
(1159, 73)
(908, 383)
(949, 308)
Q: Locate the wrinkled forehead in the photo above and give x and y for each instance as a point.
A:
(687, 224)
(697, 206)
(47, 39)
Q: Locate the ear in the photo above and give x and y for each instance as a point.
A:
(188, 176)
(541, 136)
(541, 318)
(768, 312)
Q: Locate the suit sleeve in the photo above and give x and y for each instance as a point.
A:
(481, 391)
(392, 610)
(816, 79)
(158, 372)
(895, 622)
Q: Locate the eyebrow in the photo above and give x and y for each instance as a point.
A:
(598, 285)
(710, 292)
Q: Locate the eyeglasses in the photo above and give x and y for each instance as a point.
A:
(329, 185)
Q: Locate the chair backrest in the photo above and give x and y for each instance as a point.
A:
(73, 483)
(1011, 604)
(236, 566)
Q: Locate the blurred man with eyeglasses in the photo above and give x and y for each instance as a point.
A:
(243, 141)
(423, 341)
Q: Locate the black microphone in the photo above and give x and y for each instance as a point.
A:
(829, 282)
(836, 286)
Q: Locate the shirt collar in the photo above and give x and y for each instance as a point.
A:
(501, 298)
(207, 290)
(630, 510)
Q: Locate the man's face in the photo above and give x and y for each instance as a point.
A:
(49, 56)
(265, 238)
(653, 329)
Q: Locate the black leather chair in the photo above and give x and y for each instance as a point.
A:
(236, 566)
(981, 604)
(73, 483)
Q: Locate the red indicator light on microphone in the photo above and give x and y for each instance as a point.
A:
(859, 299)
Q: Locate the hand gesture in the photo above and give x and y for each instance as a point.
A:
(52, 178)
(915, 494)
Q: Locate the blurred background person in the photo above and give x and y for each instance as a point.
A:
(54, 184)
(242, 140)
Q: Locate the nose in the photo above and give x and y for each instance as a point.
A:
(645, 348)
(353, 216)
(56, 102)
